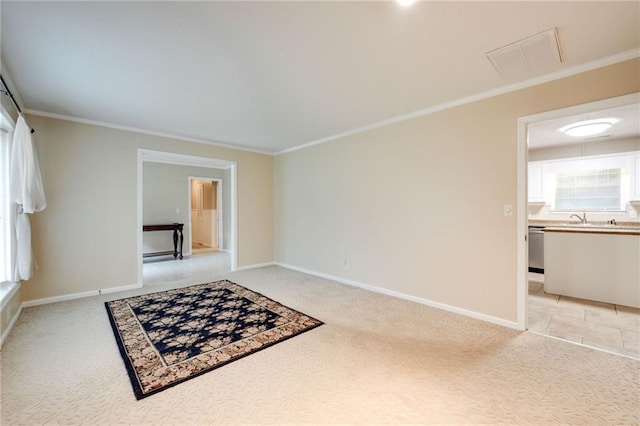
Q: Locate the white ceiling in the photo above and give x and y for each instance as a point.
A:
(274, 75)
(547, 133)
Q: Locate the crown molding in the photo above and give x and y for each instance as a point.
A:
(143, 131)
(578, 69)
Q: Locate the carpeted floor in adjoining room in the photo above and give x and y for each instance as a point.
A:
(377, 359)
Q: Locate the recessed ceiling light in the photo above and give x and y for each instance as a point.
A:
(405, 2)
(589, 127)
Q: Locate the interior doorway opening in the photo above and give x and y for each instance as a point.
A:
(542, 309)
(227, 233)
(206, 219)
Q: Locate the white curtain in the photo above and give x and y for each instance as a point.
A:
(27, 193)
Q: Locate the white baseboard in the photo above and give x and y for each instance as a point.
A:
(47, 300)
(254, 266)
(427, 302)
(12, 323)
(119, 289)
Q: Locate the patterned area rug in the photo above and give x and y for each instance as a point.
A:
(172, 336)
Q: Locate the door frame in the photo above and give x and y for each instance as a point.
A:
(522, 252)
(219, 205)
(147, 155)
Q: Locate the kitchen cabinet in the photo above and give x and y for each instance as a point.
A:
(594, 264)
(535, 193)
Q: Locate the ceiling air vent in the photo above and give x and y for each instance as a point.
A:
(527, 57)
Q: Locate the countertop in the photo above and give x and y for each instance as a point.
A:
(622, 228)
(625, 224)
(586, 229)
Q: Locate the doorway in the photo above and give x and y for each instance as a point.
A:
(538, 204)
(228, 239)
(206, 219)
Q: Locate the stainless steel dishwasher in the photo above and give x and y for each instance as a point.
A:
(536, 249)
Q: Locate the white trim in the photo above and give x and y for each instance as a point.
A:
(10, 326)
(139, 219)
(255, 266)
(522, 228)
(164, 157)
(119, 289)
(560, 339)
(233, 238)
(81, 295)
(614, 102)
(427, 302)
(13, 288)
(7, 209)
(588, 66)
(143, 131)
(522, 167)
(4, 301)
(220, 212)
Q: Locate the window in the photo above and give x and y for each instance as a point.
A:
(596, 183)
(6, 134)
(592, 190)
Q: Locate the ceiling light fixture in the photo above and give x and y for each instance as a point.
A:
(405, 2)
(589, 127)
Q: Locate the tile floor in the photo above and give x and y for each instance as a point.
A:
(201, 267)
(613, 328)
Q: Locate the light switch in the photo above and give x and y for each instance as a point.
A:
(178, 210)
(508, 209)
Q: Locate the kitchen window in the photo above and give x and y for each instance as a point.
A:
(599, 183)
(591, 190)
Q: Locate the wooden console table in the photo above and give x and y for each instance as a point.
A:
(177, 238)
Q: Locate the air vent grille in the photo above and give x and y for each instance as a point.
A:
(527, 57)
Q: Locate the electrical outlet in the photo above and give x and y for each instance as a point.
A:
(344, 263)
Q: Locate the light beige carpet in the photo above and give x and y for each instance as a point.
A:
(377, 360)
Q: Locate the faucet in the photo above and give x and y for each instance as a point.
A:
(582, 219)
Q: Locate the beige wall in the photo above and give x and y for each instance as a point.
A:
(86, 239)
(417, 207)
